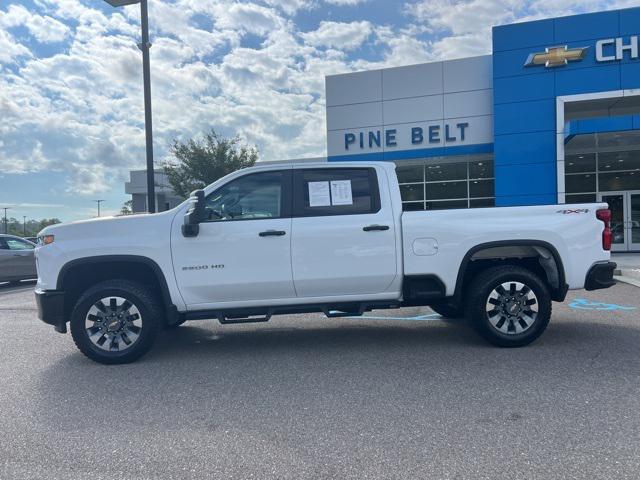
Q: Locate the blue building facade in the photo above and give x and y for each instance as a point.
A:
(525, 97)
(551, 116)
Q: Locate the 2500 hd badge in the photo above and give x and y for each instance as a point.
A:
(203, 267)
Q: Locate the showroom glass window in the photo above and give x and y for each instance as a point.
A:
(601, 162)
(251, 197)
(438, 183)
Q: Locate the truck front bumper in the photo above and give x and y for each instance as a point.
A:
(600, 276)
(51, 308)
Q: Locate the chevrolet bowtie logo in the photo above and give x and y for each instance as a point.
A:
(556, 56)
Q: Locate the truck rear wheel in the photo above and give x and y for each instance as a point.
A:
(116, 321)
(509, 306)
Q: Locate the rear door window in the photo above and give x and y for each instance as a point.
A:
(335, 191)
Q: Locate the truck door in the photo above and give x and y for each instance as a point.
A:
(244, 251)
(343, 239)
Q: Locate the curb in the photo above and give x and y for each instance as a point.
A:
(628, 280)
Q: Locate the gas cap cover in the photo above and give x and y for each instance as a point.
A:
(425, 246)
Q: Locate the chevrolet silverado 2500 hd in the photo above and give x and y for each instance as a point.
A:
(329, 237)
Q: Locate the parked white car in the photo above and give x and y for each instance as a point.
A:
(278, 239)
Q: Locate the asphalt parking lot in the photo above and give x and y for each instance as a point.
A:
(308, 397)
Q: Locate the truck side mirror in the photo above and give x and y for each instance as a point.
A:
(195, 214)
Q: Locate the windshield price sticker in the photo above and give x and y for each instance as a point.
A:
(336, 192)
(319, 194)
(341, 192)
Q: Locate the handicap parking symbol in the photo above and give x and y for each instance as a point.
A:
(584, 304)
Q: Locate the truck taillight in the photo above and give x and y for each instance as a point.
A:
(604, 215)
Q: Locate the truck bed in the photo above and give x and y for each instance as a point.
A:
(436, 242)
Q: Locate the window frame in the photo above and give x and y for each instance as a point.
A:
(299, 209)
(286, 196)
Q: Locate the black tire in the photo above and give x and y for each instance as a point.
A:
(508, 314)
(449, 310)
(149, 320)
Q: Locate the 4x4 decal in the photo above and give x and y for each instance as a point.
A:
(576, 210)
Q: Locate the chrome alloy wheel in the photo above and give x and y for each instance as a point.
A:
(113, 324)
(512, 308)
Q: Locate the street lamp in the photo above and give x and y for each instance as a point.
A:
(98, 202)
(24, 225)
(146, 74)
(6, 225)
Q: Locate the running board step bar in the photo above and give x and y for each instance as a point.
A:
(264, 314)
(225, 320)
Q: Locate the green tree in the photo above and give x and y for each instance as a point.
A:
(199, 162)
(127, 208)
(31, 227)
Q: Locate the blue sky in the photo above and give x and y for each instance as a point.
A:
(71, 109)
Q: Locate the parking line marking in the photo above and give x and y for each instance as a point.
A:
(584, 304)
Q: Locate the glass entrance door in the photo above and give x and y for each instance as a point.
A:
(625, 219)
(633, 219)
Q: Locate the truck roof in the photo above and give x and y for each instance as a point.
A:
(357, 164)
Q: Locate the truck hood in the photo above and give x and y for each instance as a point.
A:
(128, 225)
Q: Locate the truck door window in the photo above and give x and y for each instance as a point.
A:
(335, 191)
(252, 197)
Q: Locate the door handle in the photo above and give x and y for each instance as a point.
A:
(272, 233)
(372, 228)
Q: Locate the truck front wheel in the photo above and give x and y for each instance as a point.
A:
(509, 306)
(116, 321)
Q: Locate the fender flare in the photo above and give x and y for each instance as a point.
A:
(560, 292)
(139, 259)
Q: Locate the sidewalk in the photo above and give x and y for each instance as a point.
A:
(628, 270)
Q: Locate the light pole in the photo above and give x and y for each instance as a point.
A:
(146, 75)
(98, 202)
(24, 225)
(6, 225)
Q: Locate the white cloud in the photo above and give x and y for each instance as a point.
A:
(10, 49)
(345, 2)
(247, 17)
(463, 27)
(346, 36)
(32, 205)
(290, 7)
(465, 16)
(80, 110)
(44, 28)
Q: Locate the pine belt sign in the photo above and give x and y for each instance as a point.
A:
(431, 135)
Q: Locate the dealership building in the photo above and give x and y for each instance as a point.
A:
(551, 116)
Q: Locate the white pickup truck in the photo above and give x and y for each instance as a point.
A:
(332, 238)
